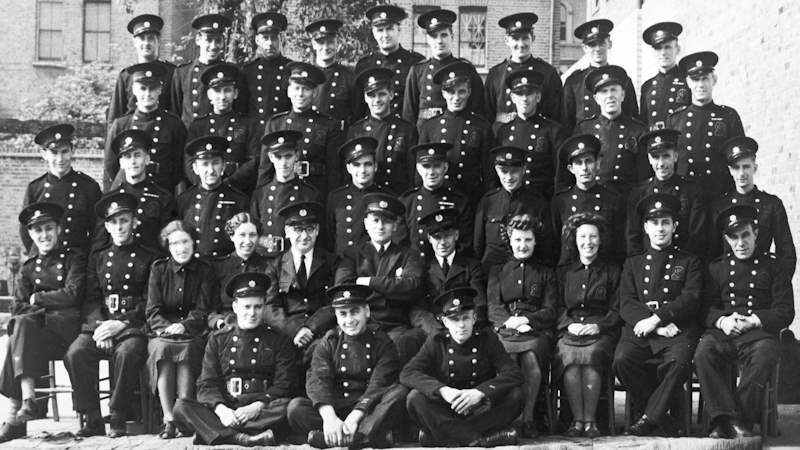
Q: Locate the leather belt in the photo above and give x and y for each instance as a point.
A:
(427, 113)
(237, 386)
(115, 302)
(654, 305)
(306, 168)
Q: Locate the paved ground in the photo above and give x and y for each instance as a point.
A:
(51, 434)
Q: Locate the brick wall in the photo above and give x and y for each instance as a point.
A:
(757, 43)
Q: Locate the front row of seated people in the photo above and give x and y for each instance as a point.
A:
(374, 371)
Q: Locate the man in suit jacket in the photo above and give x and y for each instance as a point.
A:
(449, 268)
(749, 295)
(296, 300)
(393, 271)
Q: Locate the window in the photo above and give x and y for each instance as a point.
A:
(562, 25)
(419, 43)
(472, 34)
(96, 30)
(50, 23)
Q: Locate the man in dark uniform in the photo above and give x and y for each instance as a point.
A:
(394, 135)
(423, 98)
(393, 271)
(450, 268)
(666, 91)
(622, 164)
(207, 205)
(353, 395)
(511, 198)
(45, 315)
(385, 23)
(772, 223)
(156, 206)
(116, 296)
(168, 134)
(243, 135)
(188, 99)
(529, 130)
(75, 191)
(345, 206)
(296, 300)
(145, 30)
(247, 377)
(692, 232)
(579, 153)
(704, 127)
(519, 39)
(322, 136)
(659, 298)
(466, 389)
(578, 102)
(267, 75)
(468, 132)
(434, 193)
(337, 96)
(750, 300)
(286, 187)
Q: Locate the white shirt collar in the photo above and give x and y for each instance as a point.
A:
(449, 259)
(378, 247)
(296, 259)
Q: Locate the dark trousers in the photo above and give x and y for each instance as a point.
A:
(31, 346)
(448, 428)
(200, 418)
(388, 414)
(653, 395)
(126, 359)
(715, 359)
(407, 340)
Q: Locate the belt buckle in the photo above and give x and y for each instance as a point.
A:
(112, 302)
(274, 244)
(235, 386)
(654, 305)
(302, 169)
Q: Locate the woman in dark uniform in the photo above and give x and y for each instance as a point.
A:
(181, 291)
(522, 300)
(244, 232)
(588, 321)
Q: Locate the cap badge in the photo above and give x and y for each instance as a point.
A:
(269, 22)
(128, 140)
(36, 214)
(451, 75)
(383, 204)
(698, 63)
(146, 24)
(358, 147)
(434, 21)
(148, 73)
(431, 151)
(605, 76)
(518, 24)
(281, 140)
(303, 213)
(732, 218)
(509, 156)
(215, 25)
(371, 80)
(523, 80)
(581, 145)
(252, 283)
(346, 294)
(657, 139)
(220, 75)
(323, 28)
(113, 205)
(595, 30)
(735, 149)
(383, 15)
(439, 218)
(658, 205)
(304, 74)
(209, 146)
(57, 136)
(456, 302)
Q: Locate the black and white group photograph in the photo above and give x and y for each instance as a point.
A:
(312, 224)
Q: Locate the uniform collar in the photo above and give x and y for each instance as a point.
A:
(141, 115)
(190, 265)
(53, 178)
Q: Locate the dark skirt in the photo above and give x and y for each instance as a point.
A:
(179, 351)
(541, 344)
(597, 350)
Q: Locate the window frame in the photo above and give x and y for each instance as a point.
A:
(472, 9)
(40, 29)
(84, 33)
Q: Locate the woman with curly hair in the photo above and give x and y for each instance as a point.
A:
(181, 290)
(522, 300)
(243, 231)
(588, 323)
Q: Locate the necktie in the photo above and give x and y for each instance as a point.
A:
(381, 250)
(445, 266)
(302, 275)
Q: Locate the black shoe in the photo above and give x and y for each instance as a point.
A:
(741, 430)
(575, 430)
(381, 440)
(93, 427)
(10, 432)
(169, 431)
(118, 427)
(722, 431)
(643, 427)
(29, 411)
(590, 430)
(316, 439)
(425, 439)
(265, 439)
(500, 438)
